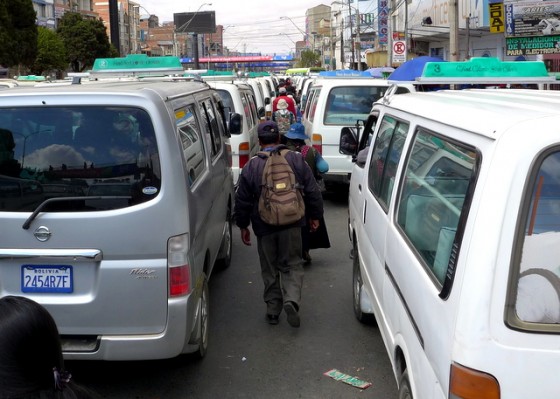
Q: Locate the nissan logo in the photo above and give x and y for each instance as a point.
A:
(42, 233)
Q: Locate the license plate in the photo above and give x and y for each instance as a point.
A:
(47, 278)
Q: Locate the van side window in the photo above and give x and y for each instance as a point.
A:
(385, 158)
(211, 124)
(312, 105)
(253, 106)
(191, 140)
(247, 111)
(437, 178)
(537, 297)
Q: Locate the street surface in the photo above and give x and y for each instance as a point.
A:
(247, 358)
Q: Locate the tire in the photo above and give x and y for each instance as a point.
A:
(357, 286)
(405, 392)
(203, 321)
(226, 249)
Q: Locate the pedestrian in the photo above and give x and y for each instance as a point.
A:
(296, 141)
(283, 95)
(31, 362)
(283, 118)
(279, 247)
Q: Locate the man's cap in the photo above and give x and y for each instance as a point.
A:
(268, 128)
(297, 131)
(282, 90)
(282, 104)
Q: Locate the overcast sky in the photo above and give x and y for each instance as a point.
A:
(251, 25)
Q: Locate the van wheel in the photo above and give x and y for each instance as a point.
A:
(203, 313)
(357, 286)
(226, 249)
(404, 386)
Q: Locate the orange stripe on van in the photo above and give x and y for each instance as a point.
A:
(467, 383)
(244, 154)
(317, 142)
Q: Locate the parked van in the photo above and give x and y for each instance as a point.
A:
(332, 103)
(455, 227)
(137, 213)
(238, 98)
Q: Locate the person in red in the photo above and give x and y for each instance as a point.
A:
(282, 94)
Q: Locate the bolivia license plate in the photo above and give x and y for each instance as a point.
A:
(47, 278)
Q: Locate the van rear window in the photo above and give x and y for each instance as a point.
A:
(347, 104)
(85, 154)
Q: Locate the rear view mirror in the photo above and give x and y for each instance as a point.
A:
(348, 143)
(261, 112)
(235, 123)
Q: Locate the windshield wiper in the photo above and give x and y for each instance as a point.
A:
(46, 202)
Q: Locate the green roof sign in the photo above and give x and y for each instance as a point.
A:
(31, 78)
(137, 64)
(485, 66)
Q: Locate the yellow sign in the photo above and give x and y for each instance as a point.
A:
(497, 16)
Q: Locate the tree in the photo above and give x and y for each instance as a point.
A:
(18, 32)
(309, 58)
(84, 40)
(51, 54)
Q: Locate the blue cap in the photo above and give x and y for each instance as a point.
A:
(297, 131)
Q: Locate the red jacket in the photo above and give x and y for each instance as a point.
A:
(289, 100)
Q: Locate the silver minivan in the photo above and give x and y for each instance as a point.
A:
(115, 206)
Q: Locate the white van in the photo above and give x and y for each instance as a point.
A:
(238, 98)
(115, 206)
(334, 102)
(455, 227)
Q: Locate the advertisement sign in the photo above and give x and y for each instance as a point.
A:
(533, 45)
(497, 17)
(383, 21)
(532, 18)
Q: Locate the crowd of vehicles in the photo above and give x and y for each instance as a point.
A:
(453, 212)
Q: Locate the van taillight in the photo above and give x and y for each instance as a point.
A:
(317, 142)
(467, 383)
(243, 154)
(178, 265)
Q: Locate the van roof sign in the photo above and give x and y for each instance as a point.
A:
(137, 64)
(486, 70)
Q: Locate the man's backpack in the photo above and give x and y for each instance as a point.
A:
(284, 120)
(281, 202)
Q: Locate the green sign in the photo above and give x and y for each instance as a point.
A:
(138, 62)
(533, 45)
(485, 67)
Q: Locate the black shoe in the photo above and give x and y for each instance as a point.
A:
(272, 319)
(306, 257)
(292, 314)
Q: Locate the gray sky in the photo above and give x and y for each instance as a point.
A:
(251, 25)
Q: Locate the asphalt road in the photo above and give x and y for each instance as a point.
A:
(247, 358)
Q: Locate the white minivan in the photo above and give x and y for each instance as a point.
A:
(454, 221)
(239, 99)
(334, 102)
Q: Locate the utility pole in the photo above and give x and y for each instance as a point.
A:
(453, 31)
(358, 42)
(114, 24)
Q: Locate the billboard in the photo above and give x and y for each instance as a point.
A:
(532, 18)
(195, 22)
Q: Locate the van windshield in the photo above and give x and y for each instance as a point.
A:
(78, 152)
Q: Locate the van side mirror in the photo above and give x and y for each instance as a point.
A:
(267, 100)
(348, 143)
(235, 123)
(261, 112)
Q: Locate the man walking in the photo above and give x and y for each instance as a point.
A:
(279, 247)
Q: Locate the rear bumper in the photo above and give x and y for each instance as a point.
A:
(170, 343)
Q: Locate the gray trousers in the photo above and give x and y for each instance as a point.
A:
(281, 268)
